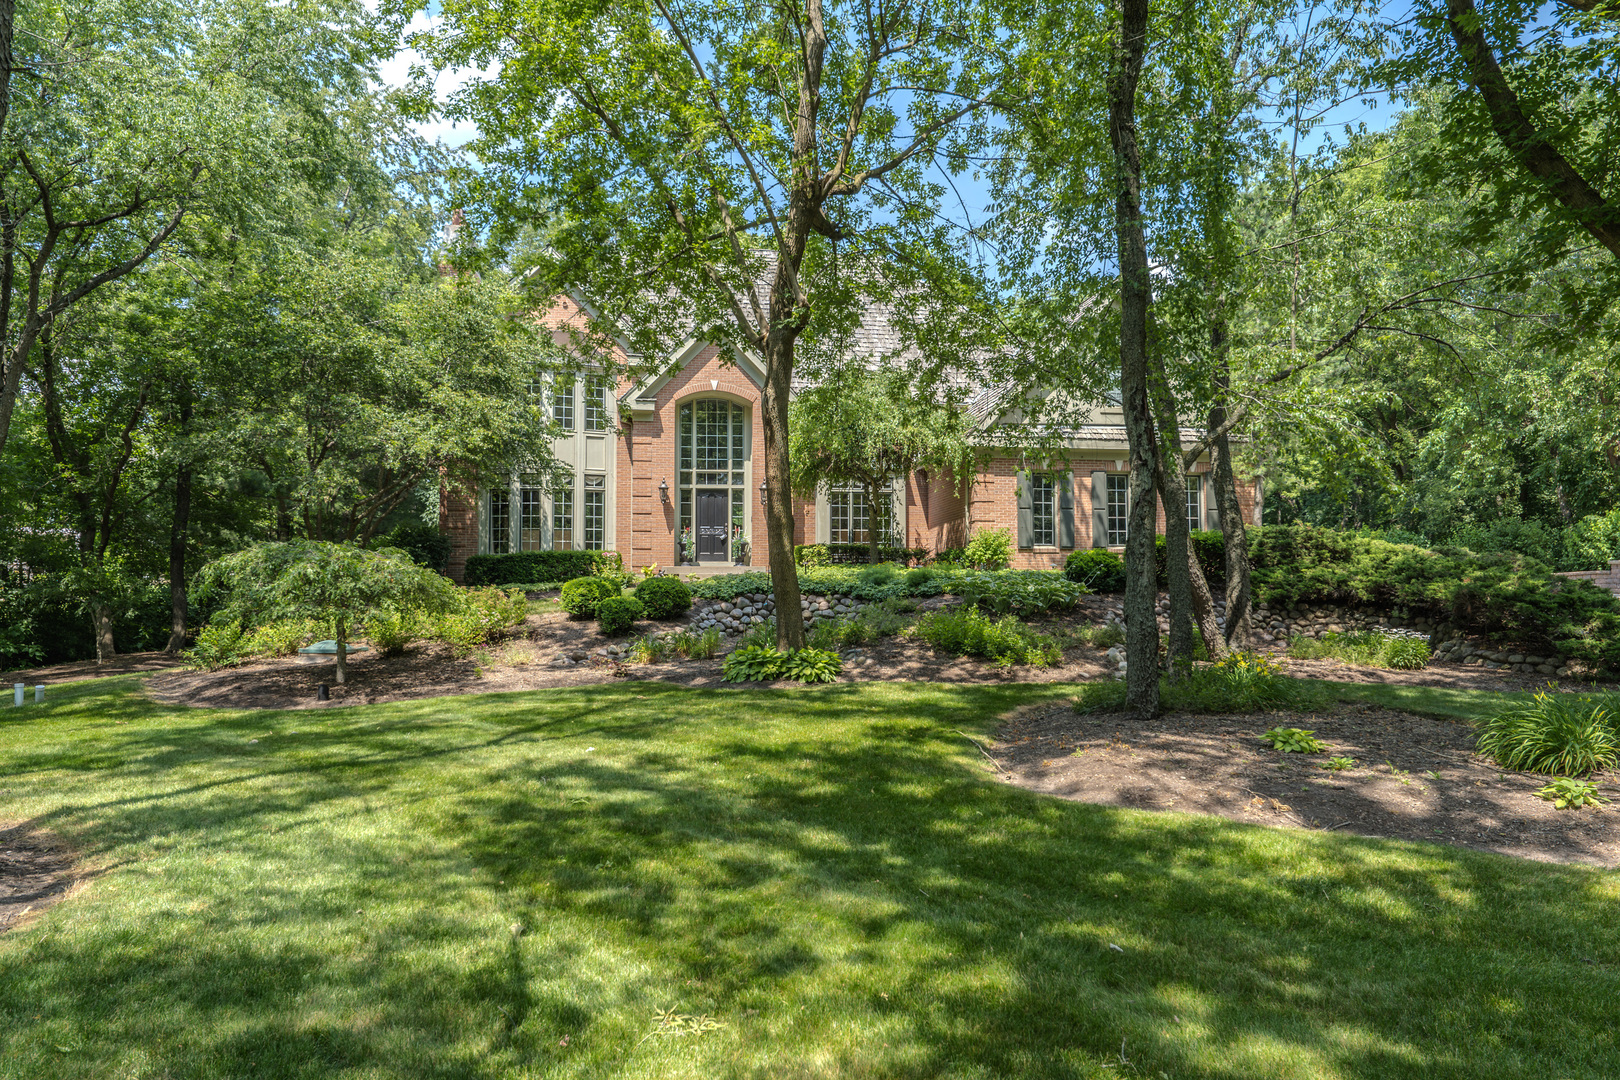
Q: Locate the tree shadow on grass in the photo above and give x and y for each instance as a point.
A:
(834, 862)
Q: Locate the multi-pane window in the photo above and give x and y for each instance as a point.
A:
(1195, 491)
(500, 522)
(1043, 510)
(562, 520)
(850, 518)
(535, 385)
(531, 517)
(1119, 510)
(596, 392)
(562, 401)
(713, 449)
(595, 526)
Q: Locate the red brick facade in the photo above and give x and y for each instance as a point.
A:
(644, 454)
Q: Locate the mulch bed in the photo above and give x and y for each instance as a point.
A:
(36, 870)
(1416, 779)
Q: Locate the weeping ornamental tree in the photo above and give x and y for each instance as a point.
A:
(338, 584)
(720, 171)
(866, 430)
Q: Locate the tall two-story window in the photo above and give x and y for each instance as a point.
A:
(562, 520)
(562, 401)
(1119, 508)
(1043, 509)
(596, 398)
(531, 517)
(1195, 501)
(595, 525)
(536, 386)
(500, 522)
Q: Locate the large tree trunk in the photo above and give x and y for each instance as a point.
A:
(1203, 609)
(1177, 546)
(1239, 631)
(1141, 584)
(778, 500)
(178, 528)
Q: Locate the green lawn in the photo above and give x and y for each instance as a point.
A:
(830, 875)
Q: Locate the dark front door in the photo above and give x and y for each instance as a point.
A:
(713, 513)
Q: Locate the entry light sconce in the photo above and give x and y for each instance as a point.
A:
(762, 493)
(663, 490)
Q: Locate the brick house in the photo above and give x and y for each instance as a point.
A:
(675, 456)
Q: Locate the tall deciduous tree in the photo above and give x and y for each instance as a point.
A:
(126, 118)
(697, 169)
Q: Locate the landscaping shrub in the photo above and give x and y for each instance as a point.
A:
(581, 596)
(919, 575)
(1209, 547)
(283, 637)
(685, 644)
(969, 632)
(616, 614)
(990, 549)
(813, 555)
(1241, 683)
(878, 574)
(1098, 570)
(883, 619)
(1557, 734)
(476, 615)
(810, 555)
(1506, 596)
(227, 642)
(391, 631)
(520, 566)
(217, 645)
(424, 543)
(1364, 647)
(1104, 636)
(758, 663)
(1019, 592)
(664, 597)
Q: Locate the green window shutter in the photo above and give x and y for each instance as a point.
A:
(1026, 524)
(1099, 509)
(1065, 509)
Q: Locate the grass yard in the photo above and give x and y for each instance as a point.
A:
(639, 880)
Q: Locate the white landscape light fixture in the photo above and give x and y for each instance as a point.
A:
(39, 693)
(17, 693)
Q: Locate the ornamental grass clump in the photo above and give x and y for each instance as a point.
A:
(1555, 734)
(1365, 647)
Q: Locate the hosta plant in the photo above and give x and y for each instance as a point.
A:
(1293, 740)
(1571, 794)
(813, 665)
(759, 663)
(1339, 764)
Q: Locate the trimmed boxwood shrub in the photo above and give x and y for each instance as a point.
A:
(582, 596)
(1102, 571)
(616, 614)
(518, 567)
(664, 597)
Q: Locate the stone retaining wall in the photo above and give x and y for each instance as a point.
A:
(742, 614)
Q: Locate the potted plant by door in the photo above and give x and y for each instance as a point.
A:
(739, 546)
(688, 547)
